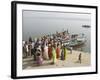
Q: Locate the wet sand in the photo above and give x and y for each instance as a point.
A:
(71, 61)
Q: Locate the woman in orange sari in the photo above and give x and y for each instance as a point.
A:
(58, 51)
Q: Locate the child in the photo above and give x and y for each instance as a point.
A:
(80, 57)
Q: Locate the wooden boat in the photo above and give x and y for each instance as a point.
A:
(75, 42)
(86, 26)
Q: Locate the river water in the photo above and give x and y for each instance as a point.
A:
(39, 23)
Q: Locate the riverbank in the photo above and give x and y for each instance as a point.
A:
(71, 61)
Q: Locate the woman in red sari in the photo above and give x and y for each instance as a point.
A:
(50, 51)
(58, 51)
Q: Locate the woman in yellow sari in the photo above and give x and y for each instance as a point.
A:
(65, 53)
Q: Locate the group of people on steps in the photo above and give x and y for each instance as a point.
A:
(45, 49)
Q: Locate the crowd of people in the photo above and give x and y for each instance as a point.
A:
(45, 48)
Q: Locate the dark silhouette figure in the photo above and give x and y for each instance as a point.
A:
(62, 54)
(30, 39)
(80, 58)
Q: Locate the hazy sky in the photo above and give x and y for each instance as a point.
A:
(38, 23)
